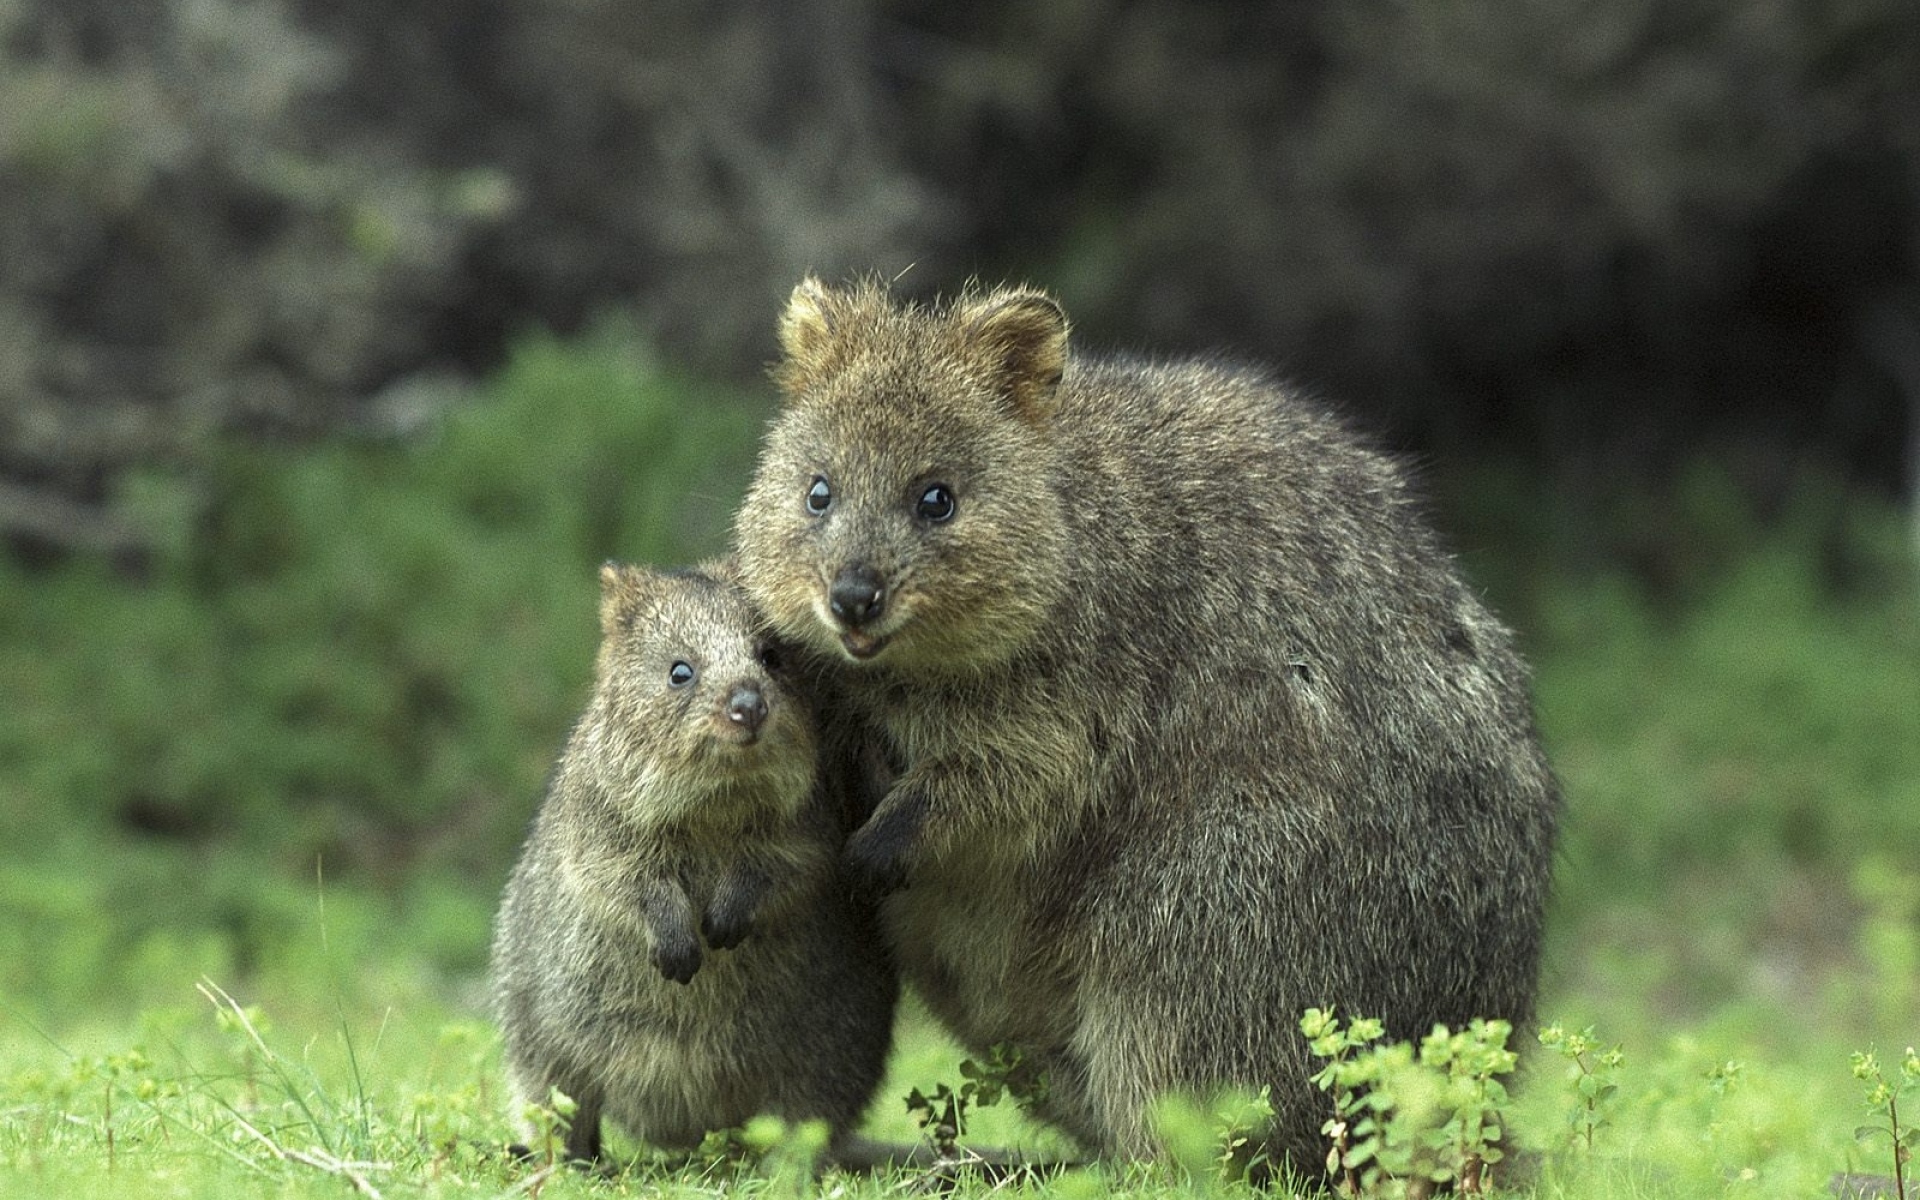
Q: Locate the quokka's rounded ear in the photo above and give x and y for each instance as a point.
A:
(806, 334)
(1022, 334)
(622, 586)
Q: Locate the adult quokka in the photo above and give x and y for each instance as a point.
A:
(1194, 724)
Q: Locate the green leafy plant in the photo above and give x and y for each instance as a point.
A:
(1468, 1140)
(1398, 1101)
(1240, 1123)
(445, 1115)
(306, 1124)
(1593, 1073)
(1408, 1119)
(1342, 1080)
(942, 1114)
(1219, 1142)
(1884, 1094)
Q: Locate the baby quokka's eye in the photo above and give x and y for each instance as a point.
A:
(768, 655)
(935, 504)
(679, 675)
(819, 496)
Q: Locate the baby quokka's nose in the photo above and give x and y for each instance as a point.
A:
(747, 708)
(858, 595)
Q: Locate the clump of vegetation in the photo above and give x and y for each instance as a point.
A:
(942, 1115)
(1884, 1095)
(1219, 1142)
(549, 1120)
(1408, 1120)
(789, 1152)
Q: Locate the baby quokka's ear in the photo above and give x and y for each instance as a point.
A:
(622, 587)
(806, 327)
(1020, 335)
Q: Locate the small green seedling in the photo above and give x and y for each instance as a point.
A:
(1883, 1101)
(1593, 1073)
(1241, 1121)
(1223, 1141)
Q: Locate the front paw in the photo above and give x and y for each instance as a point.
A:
(875, 867)
(676, 959)
(879, 855)
(725, 926)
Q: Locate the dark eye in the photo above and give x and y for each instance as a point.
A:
(769, 656)
(819, 496)
(936, 504)
(679, 675)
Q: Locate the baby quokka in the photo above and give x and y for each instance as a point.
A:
(674, 951)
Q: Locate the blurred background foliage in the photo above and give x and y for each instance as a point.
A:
(339, 341)
(1600, 234)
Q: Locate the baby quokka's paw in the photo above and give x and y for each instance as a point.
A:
(677, 958)
(730, 913)
(725, 926)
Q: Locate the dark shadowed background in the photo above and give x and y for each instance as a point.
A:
(1599, 235)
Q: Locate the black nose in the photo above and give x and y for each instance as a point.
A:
(747, 708)
(857, 596)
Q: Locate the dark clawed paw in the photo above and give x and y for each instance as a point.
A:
(725, 930)
(678, 963)
(878, 856)
(875, 865)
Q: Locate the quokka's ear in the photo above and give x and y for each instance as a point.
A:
(806, 334)
(621, 588)
(1022, 335)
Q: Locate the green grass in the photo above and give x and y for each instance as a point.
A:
(289, 764)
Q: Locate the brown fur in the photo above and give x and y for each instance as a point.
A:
(675, 949)
(1195, 725)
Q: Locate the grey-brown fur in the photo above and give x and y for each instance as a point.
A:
(675, 949)
(1195, 723)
